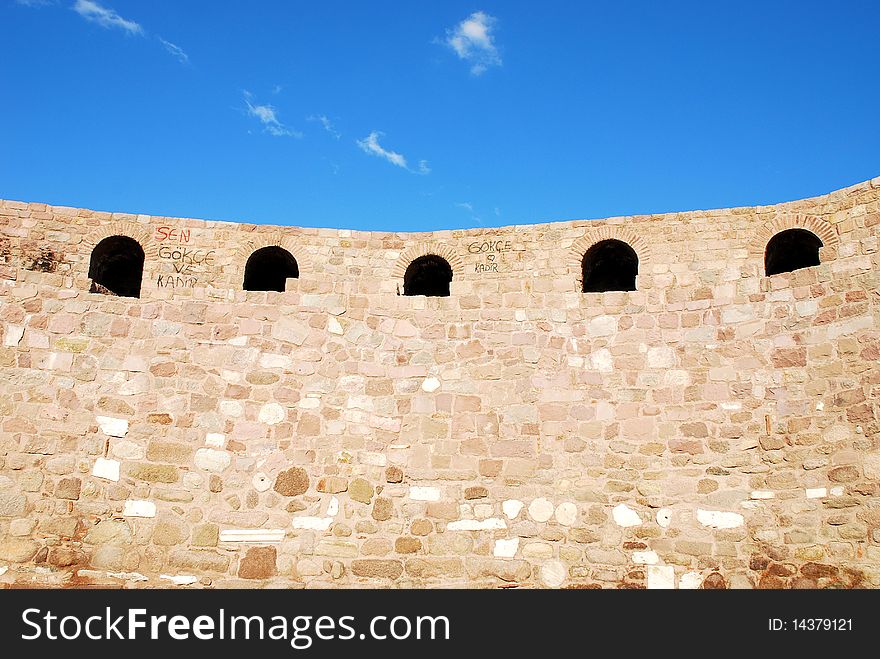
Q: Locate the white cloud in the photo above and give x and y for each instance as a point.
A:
(105, 17)
(370, 144)
(35, 3)
(469, 207)
(326, 123)
(175, 50)
(268, 116)
(473, 41)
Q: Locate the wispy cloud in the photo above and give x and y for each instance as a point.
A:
(105, 17)
(370, 144)
(36, 3)
(277, 89)
(268, 116)
(175, 50)
(326, 123)
(473, 41)
(469, 207)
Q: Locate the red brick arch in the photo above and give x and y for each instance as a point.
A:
(137, 232)
(826, 232)
(275, 239)
(597, 235)
(413, 252)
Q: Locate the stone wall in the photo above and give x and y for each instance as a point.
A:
(714, 428)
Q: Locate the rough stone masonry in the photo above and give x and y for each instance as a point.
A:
(714, 428)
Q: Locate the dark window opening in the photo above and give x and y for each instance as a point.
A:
(117, 267)
(791, 250)
(428, 275)
(610, 265)
(268, 268)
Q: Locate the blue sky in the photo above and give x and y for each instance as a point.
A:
(425, 115)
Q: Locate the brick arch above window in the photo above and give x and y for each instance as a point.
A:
(413, 252)
(594, 236)
(286, 242)
(137, 232)
(826, 232)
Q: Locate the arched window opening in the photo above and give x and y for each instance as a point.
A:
(117, 267)
(428, 275)
(610, 265)
(268, 268)
(791, 250)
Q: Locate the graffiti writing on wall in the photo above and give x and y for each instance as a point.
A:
(184, 266)
(172, 234)
(489, 251)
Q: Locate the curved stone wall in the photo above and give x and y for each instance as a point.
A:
(713, 428)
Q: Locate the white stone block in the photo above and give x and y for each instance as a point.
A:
(271, 414)
(664, 517)
(512, 508)
(717, 519)
(128, 576)
(625, 516)
(231, 408)
(13, 335)
(252, 535)
(107, 469)
(661, 577)
(837, 491)
(553, 573)
(506, 548)
(491, 524)
(645, 557)
(333, 326)
(541, 509)
(312, 523)
(180, 579)
(816, 492)
(431, 385)
(215, 439)
(134, 508)
(212, 460)
(690, 581)
(261, 482)
(566, 513)
(602, 326)
(231, 376)
(602, 361)
(763, 494)
(424, 493)
(333, 507)
(112, 426)
(275, 361)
